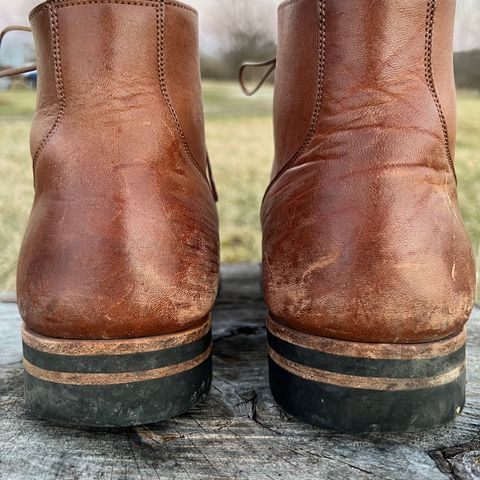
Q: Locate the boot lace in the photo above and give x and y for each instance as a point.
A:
(272, 64)
(10, 72)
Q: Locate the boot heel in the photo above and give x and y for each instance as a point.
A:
(360, 387)
(113, 383)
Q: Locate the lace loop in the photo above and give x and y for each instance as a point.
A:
(10, 72)
(212, 181)
(241, 75)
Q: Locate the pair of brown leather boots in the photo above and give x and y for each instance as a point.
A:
(369, 275)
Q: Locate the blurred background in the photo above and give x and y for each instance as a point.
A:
(239, 129)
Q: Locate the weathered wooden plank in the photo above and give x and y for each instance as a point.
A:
(238, 431)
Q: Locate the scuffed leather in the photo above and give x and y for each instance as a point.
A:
(294, 106)
(363, 238)
(122, 240)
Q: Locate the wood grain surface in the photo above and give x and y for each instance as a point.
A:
(238, 431)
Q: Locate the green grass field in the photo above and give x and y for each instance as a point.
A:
(239, 135)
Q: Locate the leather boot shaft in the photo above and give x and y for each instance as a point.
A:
(363, 238)
(103, 55)
(123, 236)
(345, 65)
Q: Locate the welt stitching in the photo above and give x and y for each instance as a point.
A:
(119, 2)
(160, 14)
(54, 35)
(431, 10)
(319, 95)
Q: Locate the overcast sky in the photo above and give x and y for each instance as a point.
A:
(467, 29)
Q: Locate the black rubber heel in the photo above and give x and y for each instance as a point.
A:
(358, 387)
(116, 383)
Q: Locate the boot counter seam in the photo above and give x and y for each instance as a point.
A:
(430, 79)
(161, 67)
(322, 40)
(65, 3)
(55, 38)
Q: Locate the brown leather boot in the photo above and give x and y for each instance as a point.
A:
(368, 271)
(118, 271)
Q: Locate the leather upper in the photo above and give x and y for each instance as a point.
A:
(122, 240)
(363, 238)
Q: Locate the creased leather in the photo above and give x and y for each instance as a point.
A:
(442, 66)
(123, 236)
(47, 97)
(183, 77)
(294, 106)
(363, 238)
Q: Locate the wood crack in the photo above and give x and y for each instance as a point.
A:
(236, 432)
(460, 462)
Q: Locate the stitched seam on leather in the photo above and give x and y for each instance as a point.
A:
(321, 7)
(287, 4)
(160, 20)
(66, 3)
(429, 76)
(184, 7)
(55, 38)
(160, 14)
(59, 4)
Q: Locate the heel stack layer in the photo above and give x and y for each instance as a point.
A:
(116, 382)
(352, 386)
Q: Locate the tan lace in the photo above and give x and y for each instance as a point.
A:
(241, 75)
(10, 72)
